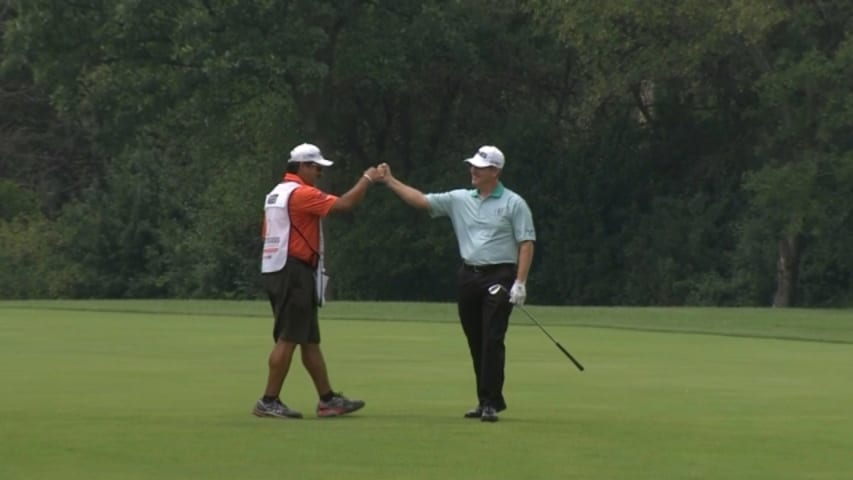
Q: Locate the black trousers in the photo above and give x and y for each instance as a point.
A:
(485, 317)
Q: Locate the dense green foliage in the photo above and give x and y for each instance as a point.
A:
(672, 152)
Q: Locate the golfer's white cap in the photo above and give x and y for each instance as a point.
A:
(308, 153)
(487, 156)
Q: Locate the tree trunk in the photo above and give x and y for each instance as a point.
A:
(787, 268)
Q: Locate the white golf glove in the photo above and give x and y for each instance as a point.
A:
(517, 294)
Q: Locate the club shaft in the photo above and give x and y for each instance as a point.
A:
(566, 352)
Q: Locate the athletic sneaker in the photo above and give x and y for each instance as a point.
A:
(475, 412)
(338, 405)
(489, 414)
(274, 409)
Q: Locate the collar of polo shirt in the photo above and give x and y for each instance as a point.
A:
(496, 193)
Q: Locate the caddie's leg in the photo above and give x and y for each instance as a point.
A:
(312, 358)
(279, 365)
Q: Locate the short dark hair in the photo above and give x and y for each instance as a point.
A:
(292, 167)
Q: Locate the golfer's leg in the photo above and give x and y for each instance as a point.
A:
(312, 358)
(496, 311)
(279, 365)
(470, 316)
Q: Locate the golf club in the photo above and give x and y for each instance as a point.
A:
(496, 288)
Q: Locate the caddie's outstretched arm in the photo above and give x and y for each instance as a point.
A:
(354, 195)
(410, 195)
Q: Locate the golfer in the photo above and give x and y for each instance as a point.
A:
(495, 233)
(294, 278)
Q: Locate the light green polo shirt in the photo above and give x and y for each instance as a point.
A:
(488, 230)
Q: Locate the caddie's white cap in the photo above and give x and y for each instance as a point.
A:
(308, 153)
(487, 156)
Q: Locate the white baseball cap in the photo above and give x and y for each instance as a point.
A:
(308, 153)
(487, 156)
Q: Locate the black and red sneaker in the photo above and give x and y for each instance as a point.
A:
(337, 406)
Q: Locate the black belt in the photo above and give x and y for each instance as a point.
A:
(487, 268)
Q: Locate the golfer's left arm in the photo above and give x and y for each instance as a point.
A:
(525, 258)
(525, 235)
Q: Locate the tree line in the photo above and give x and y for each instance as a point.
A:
(673, 152)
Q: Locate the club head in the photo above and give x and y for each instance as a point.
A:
(494, 289)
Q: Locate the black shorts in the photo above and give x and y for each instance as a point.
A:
(293, 300)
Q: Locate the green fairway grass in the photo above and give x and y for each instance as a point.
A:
(164, 390)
